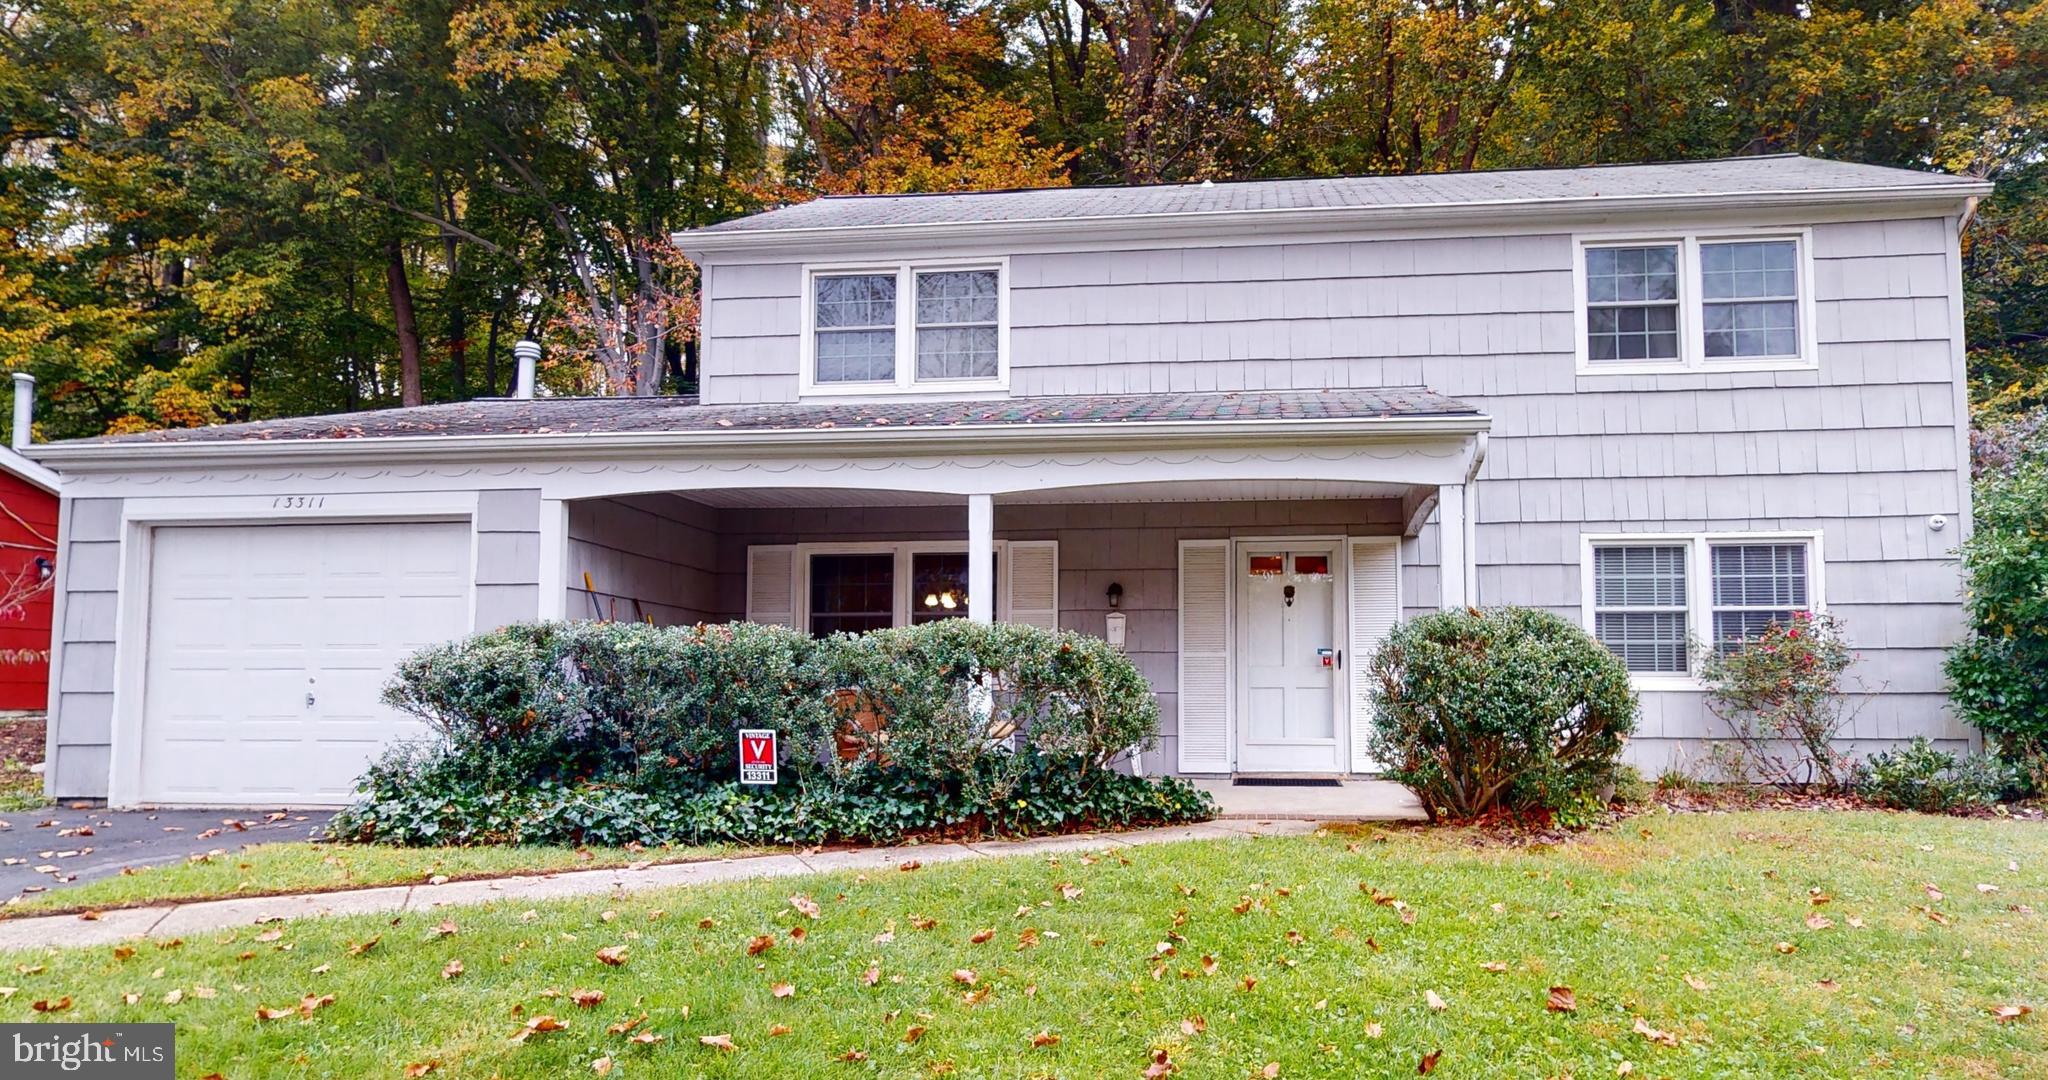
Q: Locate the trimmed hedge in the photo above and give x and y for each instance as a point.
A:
(612, 733)
(1507, 709)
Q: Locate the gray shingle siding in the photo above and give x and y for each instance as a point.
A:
(1864, 448)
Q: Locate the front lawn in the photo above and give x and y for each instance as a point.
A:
(1744, 944)
(271, 869)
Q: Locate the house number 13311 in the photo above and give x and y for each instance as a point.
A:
(298, 502)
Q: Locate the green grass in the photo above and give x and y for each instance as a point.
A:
(269, 869)
(1623, 918)
(20, 789)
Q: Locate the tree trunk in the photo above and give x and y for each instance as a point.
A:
(407, 326)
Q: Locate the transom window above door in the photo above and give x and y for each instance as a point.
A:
(905, 329)
(1694, 303)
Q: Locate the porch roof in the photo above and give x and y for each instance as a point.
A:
(599, 416)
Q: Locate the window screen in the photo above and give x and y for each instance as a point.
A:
(1755, 584)
(1639, 605)
(1750, 298)
(1632, 303)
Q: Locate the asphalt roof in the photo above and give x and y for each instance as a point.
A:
(1721, 176)
(544, 416)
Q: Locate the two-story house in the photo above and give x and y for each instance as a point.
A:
(1241, 428)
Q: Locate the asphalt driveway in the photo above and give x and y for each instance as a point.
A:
(71, 846)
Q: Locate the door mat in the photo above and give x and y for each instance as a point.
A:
(1284, 781)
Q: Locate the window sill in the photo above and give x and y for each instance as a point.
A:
(1704, 367)
(962, 387)
(1665, 684)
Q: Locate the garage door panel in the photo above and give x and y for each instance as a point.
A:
(319, 610)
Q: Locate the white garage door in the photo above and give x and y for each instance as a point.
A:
(268, 646)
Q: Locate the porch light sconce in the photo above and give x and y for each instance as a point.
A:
(1115, 595)
(44, 568)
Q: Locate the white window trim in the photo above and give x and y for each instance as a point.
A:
(903, 550)
(1699, 586)
(1692, 340)
(906, 381)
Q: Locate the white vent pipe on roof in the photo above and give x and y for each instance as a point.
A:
(24, 409)
(528, 353)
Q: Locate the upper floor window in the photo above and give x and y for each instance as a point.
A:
(1695, 302)
(906, 328)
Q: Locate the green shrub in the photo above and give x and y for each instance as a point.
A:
(609, 733)
(1781, 695)
(1998, 674)
(1499, 709)
(1921, 777)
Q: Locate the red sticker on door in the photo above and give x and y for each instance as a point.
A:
(757, 756)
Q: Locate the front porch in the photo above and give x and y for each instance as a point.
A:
(1246, 603)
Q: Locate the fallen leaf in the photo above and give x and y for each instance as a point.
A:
(1786, 947)
(174, 997)
(362, 947)
(782, 990)
(982, 936)
(58, 1005)
(1698, 983)
(1161, 1066)
(1271, 1071)
(270, 935)
(964, 976)
(1933, 893)
(2006, 1014)
(1663, 1038)
(586, 999)
(804, 904)
(1373, 1030)
(1044, 1038)
(421, 1068)
(445, 927)
(647, 1038)
(612, 955)
(1817, 921)
(264, 1012)
(1428, 1063)
(1828, 984)
(722, 1042)
(310, 1004)
(871, 976)
(778, 1031)
(625, 1026)
(539, 1025)
(123, 952)
(1435, 1003)
(453, 969)
(760, 943)
(602, 1066)
(1562, 1000)
(862, 1055)
(906, 866)
(1493, 967)
(913, 1033)
(797, 933)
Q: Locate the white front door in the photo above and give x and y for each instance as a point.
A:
(1289, 625)
(268, 645)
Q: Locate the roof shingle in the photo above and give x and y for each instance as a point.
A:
(545, 416)
(1724, 176)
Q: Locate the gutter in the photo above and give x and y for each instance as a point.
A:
(1058, 437)
(698, 243)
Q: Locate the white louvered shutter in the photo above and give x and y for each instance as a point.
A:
(1375, 608)
(1204, 687)
(1032, 583)
(771, 585)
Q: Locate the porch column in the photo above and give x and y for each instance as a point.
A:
(1453, 560)
(981, 558)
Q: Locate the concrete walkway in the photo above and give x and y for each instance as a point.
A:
(178, 920)
(1348, 800)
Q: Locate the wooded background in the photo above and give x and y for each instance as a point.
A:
(214, 210)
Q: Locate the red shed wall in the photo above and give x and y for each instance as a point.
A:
(25, 629)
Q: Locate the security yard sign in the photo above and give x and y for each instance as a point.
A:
(757, 757)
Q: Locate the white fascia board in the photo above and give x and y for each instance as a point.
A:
(12, 461)
(702, 245)
(891, 441)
